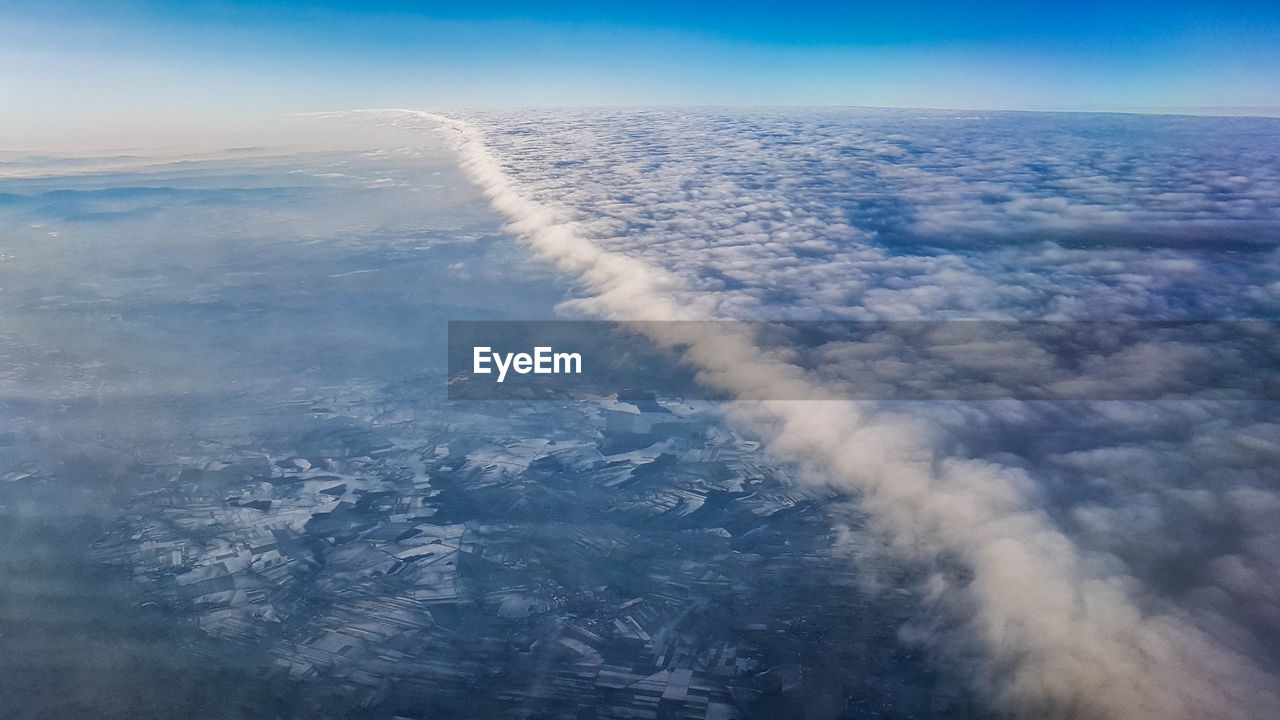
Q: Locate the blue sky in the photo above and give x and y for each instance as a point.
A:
(136, 64)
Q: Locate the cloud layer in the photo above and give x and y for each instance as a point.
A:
(1049, 538)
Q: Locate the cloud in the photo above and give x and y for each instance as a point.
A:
(668, 216)
(821, 215)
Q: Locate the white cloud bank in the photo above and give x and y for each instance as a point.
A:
(1062, 628)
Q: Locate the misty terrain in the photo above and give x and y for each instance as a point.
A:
(231, 484)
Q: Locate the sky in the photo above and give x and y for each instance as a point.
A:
(116, 74)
